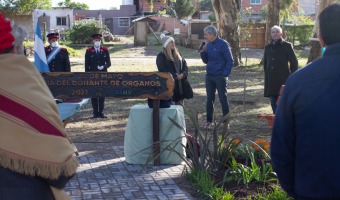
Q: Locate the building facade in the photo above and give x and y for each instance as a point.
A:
(58, 19)
(257, 7)
(117, 21)
(25, 21)
(309, 7)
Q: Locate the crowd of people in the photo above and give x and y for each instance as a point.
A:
(37, 159)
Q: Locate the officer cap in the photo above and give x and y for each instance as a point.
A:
(96, 36)
(53, 36)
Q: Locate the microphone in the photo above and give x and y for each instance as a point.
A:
(201, 47)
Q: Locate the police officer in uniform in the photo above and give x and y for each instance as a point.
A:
(97, 59)
(57, 57)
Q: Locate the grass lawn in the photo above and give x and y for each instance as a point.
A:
(245, 88)
(302, 56)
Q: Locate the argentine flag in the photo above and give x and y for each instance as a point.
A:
(39, 51)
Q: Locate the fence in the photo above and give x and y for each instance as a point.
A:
(257, 36)
(298, 35)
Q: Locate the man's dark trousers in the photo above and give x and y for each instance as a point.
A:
(213, 83)
(98, 106)
(273, 102)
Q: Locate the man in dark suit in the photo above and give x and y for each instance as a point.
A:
(277, 55)
(57, 57)
(97, 59)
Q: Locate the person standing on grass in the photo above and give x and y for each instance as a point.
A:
(36, 158)
(57, 57)
(170, 60)
(217, 55)
(97, 59)
(306, 133)
(276, 57)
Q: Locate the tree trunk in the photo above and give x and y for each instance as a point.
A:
(315, 50)
(226, 17)
(273, 17)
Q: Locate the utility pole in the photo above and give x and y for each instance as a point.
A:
(44, 33)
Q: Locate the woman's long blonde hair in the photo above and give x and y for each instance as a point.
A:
(171, 54)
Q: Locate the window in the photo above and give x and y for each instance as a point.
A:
(255, 2)
(61, 21)
(124, 22)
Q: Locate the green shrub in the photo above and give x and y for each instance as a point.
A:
(29, 47)
(276, 194)
(212, 17)
(81, 32)
(254, 167)
(210, 167)
(220, 194)
(205, 185)
(302, 33)
(202, 181)
(28, 44)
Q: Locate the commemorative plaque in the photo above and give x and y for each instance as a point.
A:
(127, 85)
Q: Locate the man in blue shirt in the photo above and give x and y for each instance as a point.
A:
(306, 134)
(217, 55)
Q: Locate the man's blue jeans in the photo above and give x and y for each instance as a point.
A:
(213, 83)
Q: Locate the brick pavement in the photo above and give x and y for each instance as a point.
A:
(104, 174)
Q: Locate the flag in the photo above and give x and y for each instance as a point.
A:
(39, 51)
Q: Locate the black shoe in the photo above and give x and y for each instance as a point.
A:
(95, 116)
(101, 115)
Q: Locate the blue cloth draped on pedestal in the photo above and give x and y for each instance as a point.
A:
(67, 109)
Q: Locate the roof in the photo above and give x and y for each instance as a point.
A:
(125, 11)
(146, 18)
(191, 21)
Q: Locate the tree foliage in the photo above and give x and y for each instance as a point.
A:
(212, 17)
(179, 8)
(273, 17)
(287, 3)
(301, 32)
(74, 5)
(22, 7)
(206, 5)
(81, 32)
(184, 8)
(275, 9)
(288, 11)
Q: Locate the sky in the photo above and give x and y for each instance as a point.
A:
(94, 4)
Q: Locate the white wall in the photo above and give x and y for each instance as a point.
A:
(53, 14)
(61, 12)
(205, 16)
(309, 7)
(127, 2)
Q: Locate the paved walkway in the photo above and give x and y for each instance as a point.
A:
(104, 174)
